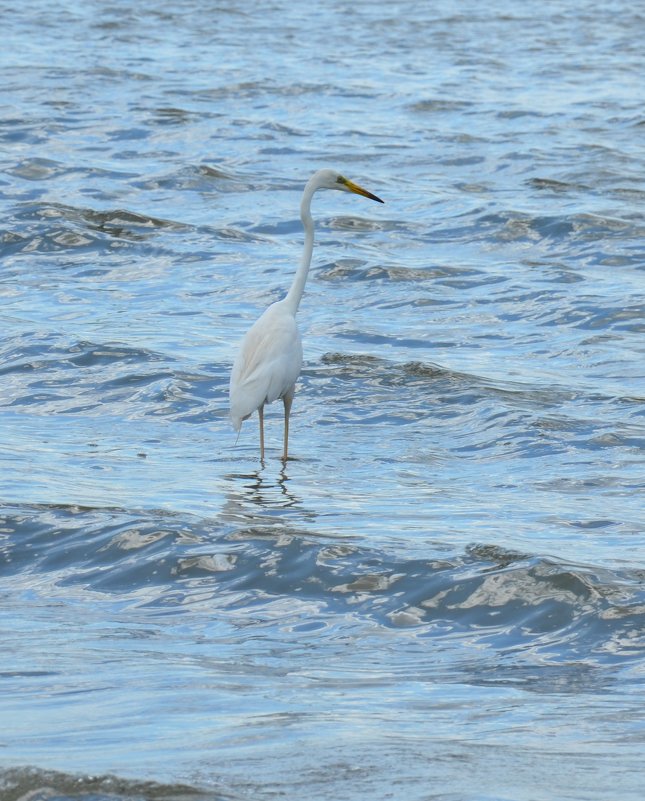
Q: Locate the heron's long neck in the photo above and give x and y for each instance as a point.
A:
(298, 286)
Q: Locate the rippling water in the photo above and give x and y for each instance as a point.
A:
(443, 594)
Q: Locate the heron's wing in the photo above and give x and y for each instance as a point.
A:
(268, 363)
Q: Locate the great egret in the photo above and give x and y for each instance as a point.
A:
(269, 360)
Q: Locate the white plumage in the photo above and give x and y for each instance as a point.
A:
(269, 360)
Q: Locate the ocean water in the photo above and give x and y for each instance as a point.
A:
(442, 595)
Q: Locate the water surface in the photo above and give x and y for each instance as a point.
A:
(442, 594)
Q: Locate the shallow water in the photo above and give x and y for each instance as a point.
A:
(442, 594)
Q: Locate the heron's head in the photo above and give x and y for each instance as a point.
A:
(330, 179)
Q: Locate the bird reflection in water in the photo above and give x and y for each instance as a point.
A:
(261, 502)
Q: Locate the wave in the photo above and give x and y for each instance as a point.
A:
(243, 568)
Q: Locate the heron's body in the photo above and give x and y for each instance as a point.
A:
(269, 360)
(268, 363)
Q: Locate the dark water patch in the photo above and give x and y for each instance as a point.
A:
(356, 270)
(32, 352)
(423, 375)
(549, 307)
(45, 375)
(440, 105)
(482, 418)
(630, 193)
(625, 317)
(172, 115)
(568, 679)
(235, 233)
(354, 223)
(511, 226)
(519, 113)
(555, 271)
(50, 227)
(117, 223)
(51, 376)
(202, 178)
(41, 169)
(556, 186)
(280, 129)
(590, 484)
(259, 88)
(34, 784)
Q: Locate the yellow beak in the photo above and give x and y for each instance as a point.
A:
(358, 190)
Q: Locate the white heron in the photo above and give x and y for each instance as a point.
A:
(269, 359)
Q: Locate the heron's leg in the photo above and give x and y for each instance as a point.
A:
(287, 400)
(261, 416)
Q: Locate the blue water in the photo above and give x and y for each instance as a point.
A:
(442, 595)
